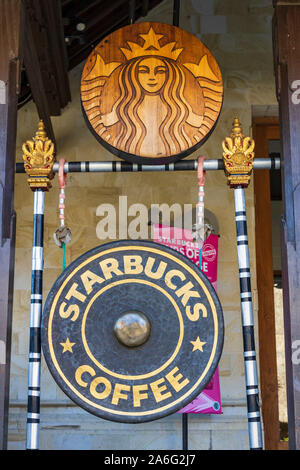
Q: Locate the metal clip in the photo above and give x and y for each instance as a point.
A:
(200, 233)
(62, 235)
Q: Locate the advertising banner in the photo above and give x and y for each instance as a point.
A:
(209, 400)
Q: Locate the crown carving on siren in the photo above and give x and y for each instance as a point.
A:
(151, 47)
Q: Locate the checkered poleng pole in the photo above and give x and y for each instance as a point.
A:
(34, 366)
(254, 419)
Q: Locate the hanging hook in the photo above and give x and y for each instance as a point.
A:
(201, 231)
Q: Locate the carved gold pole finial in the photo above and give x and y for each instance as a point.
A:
(41, 132)
(236, 128)
(238, 155)
(38, 156)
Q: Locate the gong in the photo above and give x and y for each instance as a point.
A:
(132, 331)
(151, 93)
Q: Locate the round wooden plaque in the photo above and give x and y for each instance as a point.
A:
(151, 93)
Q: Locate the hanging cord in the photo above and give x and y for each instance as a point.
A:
(200, 206)
(201, 230)
(62, 236)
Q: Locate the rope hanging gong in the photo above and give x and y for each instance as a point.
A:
(201, 228)
(62, 235)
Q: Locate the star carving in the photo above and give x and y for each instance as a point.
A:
(151, 39)
(198, 344)
(67, 346)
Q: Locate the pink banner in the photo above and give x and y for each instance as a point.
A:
(209, 400)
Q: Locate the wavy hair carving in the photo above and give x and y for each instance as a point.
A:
(133, 130)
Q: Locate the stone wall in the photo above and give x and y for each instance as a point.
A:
(239, 35)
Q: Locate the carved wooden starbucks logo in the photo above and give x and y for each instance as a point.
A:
(132, 331)
(151, 92)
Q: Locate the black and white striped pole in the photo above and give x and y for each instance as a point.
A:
(34, 365)
(238, 161)
(210, 164)
(251, 376)
(38, 155)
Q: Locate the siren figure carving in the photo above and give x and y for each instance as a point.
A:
(162, 82)
(152, 114)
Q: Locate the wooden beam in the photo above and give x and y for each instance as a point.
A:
(58, 59)
(11, 29)
(45, 59)
(33, 69)
(286, 34)
(263, 131)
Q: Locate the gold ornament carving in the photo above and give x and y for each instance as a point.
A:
(39, 157)
(238, 155)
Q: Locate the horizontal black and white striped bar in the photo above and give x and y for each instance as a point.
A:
(271, 163)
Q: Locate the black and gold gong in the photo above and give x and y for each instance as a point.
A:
(132, 331)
